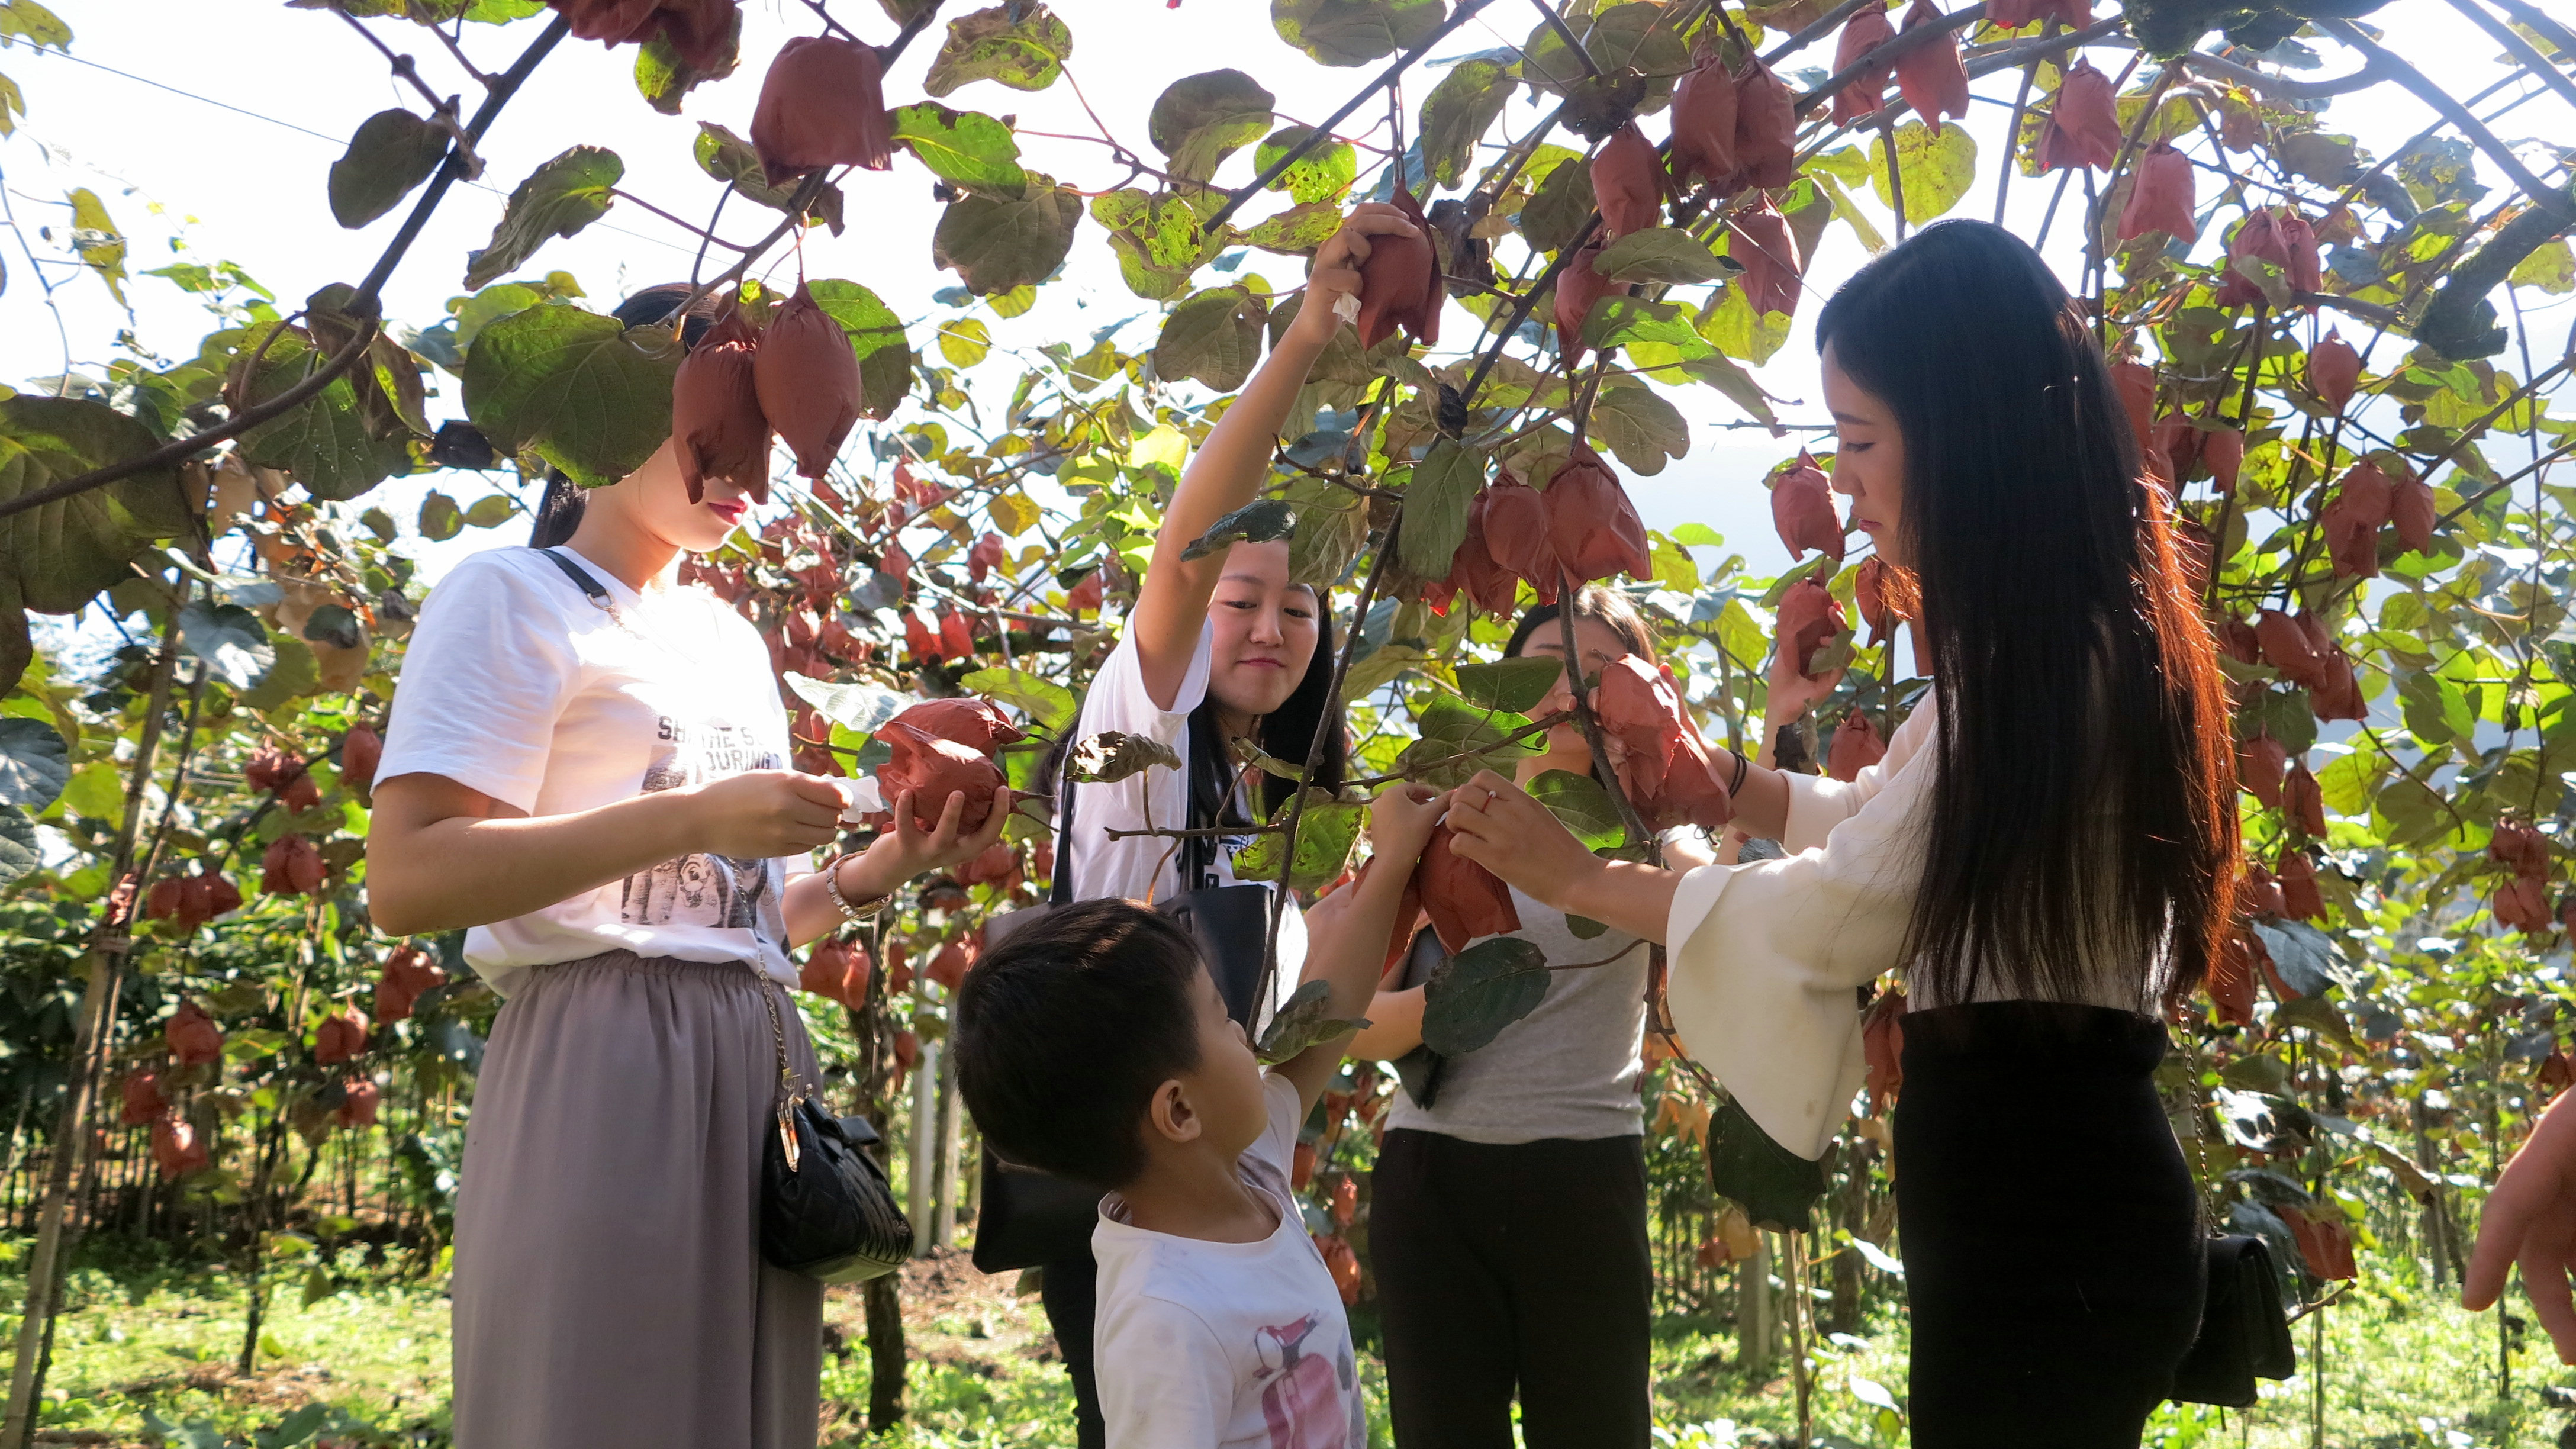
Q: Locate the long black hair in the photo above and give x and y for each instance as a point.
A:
(559, 512)
(2083, 806)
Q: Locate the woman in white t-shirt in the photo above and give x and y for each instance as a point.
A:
(1538, 1132)
(586, 767)
(1218, 648)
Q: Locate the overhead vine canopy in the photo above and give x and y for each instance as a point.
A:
(2344, 365)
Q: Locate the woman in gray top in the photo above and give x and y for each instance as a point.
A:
(1508, 1211)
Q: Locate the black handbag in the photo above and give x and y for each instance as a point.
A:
(2243, 1332)
(1026, 1218)
(826, 1209)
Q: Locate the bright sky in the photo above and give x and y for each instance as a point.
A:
(181, 171)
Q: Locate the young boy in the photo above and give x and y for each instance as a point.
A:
(1093, 1044)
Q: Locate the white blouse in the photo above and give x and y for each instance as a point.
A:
(1765, 956)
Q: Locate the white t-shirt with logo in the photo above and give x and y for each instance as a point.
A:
(1205, 1345)
(517, 685)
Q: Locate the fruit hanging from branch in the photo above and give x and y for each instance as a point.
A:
(807, 380)
(821, 105)
(716, 422)
(1400, 282)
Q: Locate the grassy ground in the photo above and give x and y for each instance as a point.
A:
(149, 1348)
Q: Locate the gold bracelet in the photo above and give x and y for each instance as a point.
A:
(853, 913)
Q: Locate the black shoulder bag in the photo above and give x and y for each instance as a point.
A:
(826, 1209)
(1027, 1218)
(2243, 1332)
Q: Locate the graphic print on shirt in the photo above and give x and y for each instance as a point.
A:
(704, 889)
(1303, 1395)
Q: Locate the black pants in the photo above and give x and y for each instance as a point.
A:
(1070, 1289)
(1504, 1267)
(2053, 1248)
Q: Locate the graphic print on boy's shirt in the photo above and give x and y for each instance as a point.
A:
(1303, 1403)
(703, 889)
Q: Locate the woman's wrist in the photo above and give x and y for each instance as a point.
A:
(1574, 890)
(862, 878)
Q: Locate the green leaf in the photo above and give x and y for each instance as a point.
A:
(18, 852)
(1214, 337)
(581, 390)
(1200, 120)
(439, 518)
(489, 511)
(1332, 528)
(295, 675)
(1325, 171)
(1476, 993)
(229, 639)
(1113, 755)
(860, 708)
(1444, 483)
(1049, 704)
(35, 762)
(876, 334)
(1617, 321)
(98, 241)
(1582, 804)
(558, 199)
(1662, 255)
(1157, 239)
(1326, 831)
(1774, 1185)
(1026, 53)
(1303, 1021)
(330, 444)
(1263, 520)
(1457, 112)
(1514, 685)
(57, 557)
(1735, 331)
(2551, 267)
(1298, 231)
(2304, 957)
(1355, 32)
(997, 243)
(26, 20)
(728, 157)
(1637, 424)
(1562, 204)
(1936, 170)
(392, 152)
(965, 148)
(1456, 739)
(965, 341)
(1248, 754)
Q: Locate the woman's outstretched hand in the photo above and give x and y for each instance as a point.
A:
(1337, 269)
(907, 850)
(2530, 1218)
(1401, 820)
(1502, 829)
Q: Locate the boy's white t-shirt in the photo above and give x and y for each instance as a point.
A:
(1204, 1345)
(515, 684)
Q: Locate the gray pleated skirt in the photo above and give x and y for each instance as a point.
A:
(608, 1285)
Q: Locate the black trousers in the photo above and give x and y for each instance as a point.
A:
(1070, 1290)
(2053, 1246)
(1514, 1267)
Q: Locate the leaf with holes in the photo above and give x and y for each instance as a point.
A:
(229, 639)
(1298, 231)
(1213, 337)
(1044, 701)
(558, 199)
(967, 149)
(1303, 1020)
(392, 152)
(1476, 993)
(1582, 805)
(1775, 1186)
(35, 762)
(1355, 32)
(1021, 45)
(1113, 755)
(996, 243)
(1158, 240)
(1444, 483)
(1200, 120)
(582, 391)
(1325, 171)
(1263, 520)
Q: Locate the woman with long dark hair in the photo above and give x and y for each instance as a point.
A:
(2047, 850)
(1228, 646)
(587, 772)
(1538, 1134)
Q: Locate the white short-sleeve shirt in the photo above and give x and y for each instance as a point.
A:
(517, 685)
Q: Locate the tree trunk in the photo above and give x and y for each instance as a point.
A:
(920, 1194)
(1849, 1304)
(943, 1185)
(885, 1353)
(90, 1046)
(1753, 1311)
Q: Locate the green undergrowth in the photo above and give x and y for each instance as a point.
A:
(149, 1349)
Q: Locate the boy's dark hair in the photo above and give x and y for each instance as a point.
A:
(1064, 1031)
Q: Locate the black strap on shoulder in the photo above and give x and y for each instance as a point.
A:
(1060, 889)
(591, 588)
